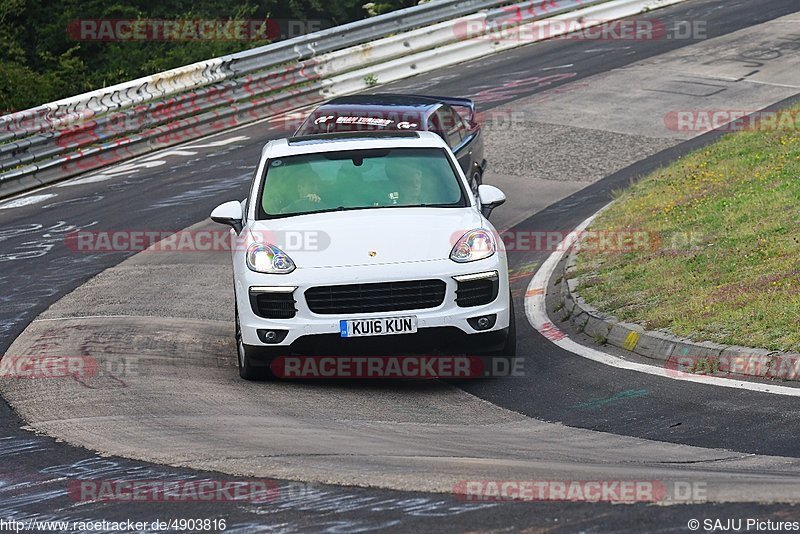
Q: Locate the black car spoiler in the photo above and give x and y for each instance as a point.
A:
(454, 102)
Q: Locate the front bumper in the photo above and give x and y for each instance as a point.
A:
(305, 323)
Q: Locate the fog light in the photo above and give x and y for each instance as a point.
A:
(484, 322)
(270, 337)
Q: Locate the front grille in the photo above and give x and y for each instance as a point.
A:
(273, 305)
(379, 297)
(476, 292)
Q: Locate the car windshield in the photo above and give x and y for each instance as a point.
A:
(359, 179)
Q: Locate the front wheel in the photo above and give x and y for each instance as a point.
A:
(254, 364)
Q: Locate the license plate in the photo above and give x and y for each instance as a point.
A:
(378, 327)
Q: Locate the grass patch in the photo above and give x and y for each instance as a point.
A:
(723, 260)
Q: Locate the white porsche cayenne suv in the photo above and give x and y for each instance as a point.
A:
(366, 236)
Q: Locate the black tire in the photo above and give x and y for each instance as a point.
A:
(254, 362)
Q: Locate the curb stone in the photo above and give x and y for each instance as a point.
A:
(676, 353)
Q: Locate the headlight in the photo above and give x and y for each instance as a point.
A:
(474, 245)
(269, 259)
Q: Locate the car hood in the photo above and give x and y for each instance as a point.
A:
(369, 236)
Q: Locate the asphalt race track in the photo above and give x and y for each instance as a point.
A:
(186, 415)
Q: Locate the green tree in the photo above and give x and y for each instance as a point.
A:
(41, 62)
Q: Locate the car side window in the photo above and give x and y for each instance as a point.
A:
(433, 125)
(451, 126)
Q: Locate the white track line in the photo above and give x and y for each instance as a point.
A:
(536, 312)
(22, 200)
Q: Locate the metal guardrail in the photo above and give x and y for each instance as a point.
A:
(83, 107)
(361, 31)
(58, 135)
(83, 133)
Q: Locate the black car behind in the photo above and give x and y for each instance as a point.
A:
(451, 118)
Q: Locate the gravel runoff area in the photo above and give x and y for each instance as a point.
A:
(528, 148)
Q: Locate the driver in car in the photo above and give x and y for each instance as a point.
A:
(307, 185)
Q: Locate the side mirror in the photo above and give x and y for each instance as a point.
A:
(490, 198)
(229, 213)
